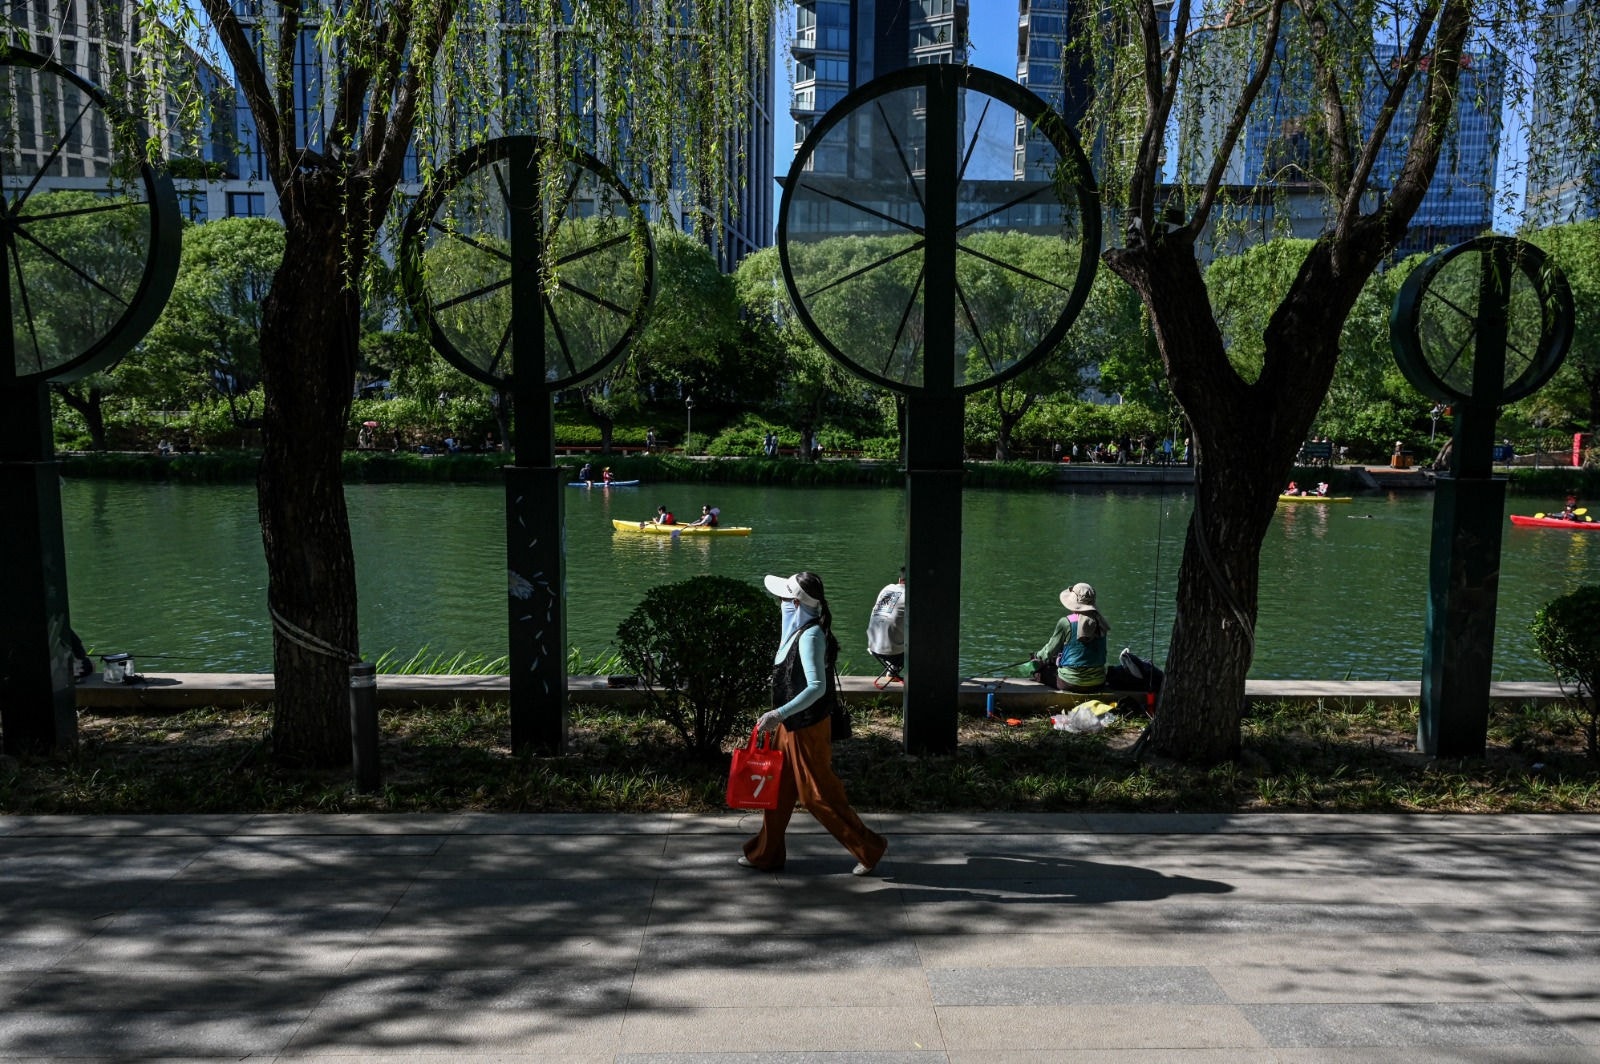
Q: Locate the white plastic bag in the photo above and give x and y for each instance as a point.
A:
(1083, 718)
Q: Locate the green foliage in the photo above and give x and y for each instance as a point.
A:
(706, 644)
(1566, 637)
(1574, 394)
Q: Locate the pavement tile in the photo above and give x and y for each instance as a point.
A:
(522, 906)
(1510, 947)
(400, 949)
(126, 1035)
(323, 825)
(310, 952)
(399, 1033)
(784, 952)
(154, 825)
(1231, 1055)
(580, 825)
(1405, 1025)
(768, 1057)
(569, 988)
(851, 988)
(1541, 1054)
(1580, 1020)
(1144, 1027)
(1137, 947)
(1315, 979)
(783, 1029)
(1074, 986)
(135, 991)
(1550, 983)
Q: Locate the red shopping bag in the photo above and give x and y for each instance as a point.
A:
(753, 777)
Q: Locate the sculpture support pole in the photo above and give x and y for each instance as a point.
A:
(38, 712)
(535, 559)
(933, 459)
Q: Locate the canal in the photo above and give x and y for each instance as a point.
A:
(174, 573)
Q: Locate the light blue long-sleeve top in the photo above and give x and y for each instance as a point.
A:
(814, 660)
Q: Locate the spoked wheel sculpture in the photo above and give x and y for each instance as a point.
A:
(532, 268)
(1478, 325)
(89, 248)
(924, 262)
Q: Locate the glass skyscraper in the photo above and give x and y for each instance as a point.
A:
(840, 45)
(1564, 175)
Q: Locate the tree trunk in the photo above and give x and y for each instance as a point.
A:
(91, 408)
(309, 348)
(1247, 434)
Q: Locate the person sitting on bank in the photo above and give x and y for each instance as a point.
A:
(663, 517)
(886, 630)
(1075, 657)
(707, 518)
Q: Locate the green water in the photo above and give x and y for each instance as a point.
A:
(174, 573)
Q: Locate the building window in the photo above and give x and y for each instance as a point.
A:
(247, 205)
(192, 204)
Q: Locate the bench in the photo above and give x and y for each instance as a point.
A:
(1313, 452)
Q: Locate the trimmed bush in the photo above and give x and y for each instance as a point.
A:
(1567, 639)
(706, 645)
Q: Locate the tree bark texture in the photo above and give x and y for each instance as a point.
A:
(1247, 434)
(92, 410)
(309, 348)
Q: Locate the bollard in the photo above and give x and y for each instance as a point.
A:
(364, 725)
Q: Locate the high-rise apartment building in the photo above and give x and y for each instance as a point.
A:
(1278, 148)
(1564, 172)
(96, 39)
(746, 218)
(840, 45)
(98, 42)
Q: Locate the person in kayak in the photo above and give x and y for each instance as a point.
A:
(707, 519)
(803, 696)
(1075, 657)
(1569, 512)
(663, 517)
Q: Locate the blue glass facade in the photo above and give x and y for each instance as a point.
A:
(1564, 171)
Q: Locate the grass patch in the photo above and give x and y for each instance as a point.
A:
(1313, 756)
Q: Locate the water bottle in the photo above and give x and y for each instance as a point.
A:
(988, 708)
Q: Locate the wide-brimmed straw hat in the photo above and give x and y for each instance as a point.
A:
(1079, 598)
(788, 587)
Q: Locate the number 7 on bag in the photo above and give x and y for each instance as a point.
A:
(753, 767)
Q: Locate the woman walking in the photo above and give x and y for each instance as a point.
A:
(803, 696)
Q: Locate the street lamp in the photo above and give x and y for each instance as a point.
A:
(1438, 409)
(688, 430)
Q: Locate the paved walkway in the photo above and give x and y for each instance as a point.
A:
(990, 940)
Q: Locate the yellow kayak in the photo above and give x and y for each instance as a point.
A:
(1315, 498)
(679, 530)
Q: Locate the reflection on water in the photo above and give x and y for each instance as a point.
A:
(174, 573)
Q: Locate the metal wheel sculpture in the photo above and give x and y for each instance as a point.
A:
(89, 261)
(869, 220)
(591, 260)
(1449, 306)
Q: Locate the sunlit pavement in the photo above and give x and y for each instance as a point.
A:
(997, 939)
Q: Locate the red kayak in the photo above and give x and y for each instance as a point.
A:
(1527, 521)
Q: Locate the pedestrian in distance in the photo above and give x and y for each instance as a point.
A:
(803, 697)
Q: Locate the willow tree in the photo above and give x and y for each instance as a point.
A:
(1359, 99)
(340, 93)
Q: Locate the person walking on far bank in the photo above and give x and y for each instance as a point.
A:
(803, 696)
